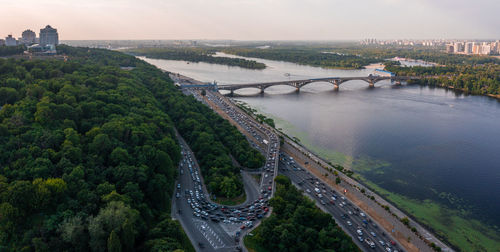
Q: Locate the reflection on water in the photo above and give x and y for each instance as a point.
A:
(432, 142)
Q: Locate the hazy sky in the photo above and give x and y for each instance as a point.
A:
(254, 19)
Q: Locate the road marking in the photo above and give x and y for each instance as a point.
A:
(209, 234)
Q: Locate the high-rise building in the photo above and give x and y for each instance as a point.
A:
(449, 48)
(485, 49)
(2, 42)
(468, 48)
(10, 41)
(458, 47)
(49, 36)
(28, 37)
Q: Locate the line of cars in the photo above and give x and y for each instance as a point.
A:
(256, 130)
(359, 224)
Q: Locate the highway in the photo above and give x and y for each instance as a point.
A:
(345, 213)
(256, 133)
(213, 227)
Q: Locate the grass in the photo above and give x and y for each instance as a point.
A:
(450, 225)
(465, 233)
(231, 201)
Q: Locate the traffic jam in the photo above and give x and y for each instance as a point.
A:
(358, 224)
(196, 197)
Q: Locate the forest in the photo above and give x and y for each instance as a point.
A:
(88, 153)
(304, 56)
(194, 54)
(11, 50)
(296, 224)
(472, 79)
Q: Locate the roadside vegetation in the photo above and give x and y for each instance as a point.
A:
(296, 224)
(194, 54)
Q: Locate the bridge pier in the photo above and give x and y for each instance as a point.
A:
(231, 93)
(335, 87)
(297, 90)
(261, 90)
(371, 85)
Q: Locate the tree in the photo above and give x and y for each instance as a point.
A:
(203, 92)
(8, 95)
(114, 244)
(337, 180)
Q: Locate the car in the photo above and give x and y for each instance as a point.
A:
(362, 214)
(322, 202)
(388, 249)
(360, 238)
(177, 195)
(349, 212)
(373, 234)
(359, 231)
(381, 242)
(349, 223)
(308, 191)
(392, 242)
(242, 227)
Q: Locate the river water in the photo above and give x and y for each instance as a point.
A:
(419, 142)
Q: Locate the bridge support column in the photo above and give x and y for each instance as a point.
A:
(336, 85)
(371, 85)
(297, 90)
(231, 93)
(261, 90)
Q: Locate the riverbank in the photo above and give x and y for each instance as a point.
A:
(461, 231)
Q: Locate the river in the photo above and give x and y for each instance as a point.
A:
(432, 152)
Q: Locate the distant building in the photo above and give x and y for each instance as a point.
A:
(42, 49)
(2, 42)
(450, 48)
(10, 41)
(485, 49)
(468, 48)
(28, 37)
(49, 36)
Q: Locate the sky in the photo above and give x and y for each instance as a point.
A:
(254, 19)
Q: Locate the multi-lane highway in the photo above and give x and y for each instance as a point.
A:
(233, 222)
(213, 227)
(364, 230)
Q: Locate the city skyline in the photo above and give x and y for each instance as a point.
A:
(255, 20)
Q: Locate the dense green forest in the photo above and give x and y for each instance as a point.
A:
(296, 224)
(304, 56)
(474, 79)
(88, 153)
(195, 54)
(213, 140)
(11, 50)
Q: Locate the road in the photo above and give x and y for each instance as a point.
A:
(256, 134)
(213, 227)
(345, 213)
